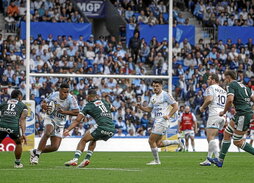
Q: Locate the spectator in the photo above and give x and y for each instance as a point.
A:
(12, 9)
(134, 45)
(198, 101)
(119, 133)
(120, 124)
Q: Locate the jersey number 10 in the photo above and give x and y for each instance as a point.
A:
(222, 99)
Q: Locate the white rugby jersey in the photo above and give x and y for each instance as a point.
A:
(70, 103)
(219, 99)
(161, 107)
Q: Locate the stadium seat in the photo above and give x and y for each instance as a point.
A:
(165, 16)
(246, 80)
(175, 80)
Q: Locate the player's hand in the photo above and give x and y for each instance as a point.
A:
(66, 133)
(61, 111)
(23, 139)
(138, 105)
(221, 113)
(44, 106)
(49, 108)
(201, 109)
(166, 117)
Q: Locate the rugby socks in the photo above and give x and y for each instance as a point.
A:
(248, 148)
(155, 154)
(213, 148)
(77, 155)
(193, 148)
(89, 154)
(224, 149)
(210, 150)
(170, 142)
(37, 152)
(17, 161)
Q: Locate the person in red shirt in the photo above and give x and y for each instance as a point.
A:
(12, 9)
(188, 125)
(252, 131)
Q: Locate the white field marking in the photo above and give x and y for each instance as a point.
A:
(145, 157)
(113, 169)
(68, 168)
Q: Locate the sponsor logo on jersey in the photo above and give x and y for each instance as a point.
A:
(10, 113)
(107, 133)
(220, 90)
(8, 130)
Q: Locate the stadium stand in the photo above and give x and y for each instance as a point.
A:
(226, 13)
(150, 12)
(192, 64)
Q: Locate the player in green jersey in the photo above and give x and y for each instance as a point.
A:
(13, 123)
(104, 129)
(240, 96)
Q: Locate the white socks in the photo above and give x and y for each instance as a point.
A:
(155, 154)
(213, 149)
(37, 152)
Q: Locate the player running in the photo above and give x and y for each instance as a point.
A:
(66, 104)
(13, 123)
(104, 129)
(240, 96)
(187, 125)
(215, 100)
(159, 105)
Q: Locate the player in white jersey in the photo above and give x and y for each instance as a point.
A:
(215, 100)
(66, 104)
(159, 105)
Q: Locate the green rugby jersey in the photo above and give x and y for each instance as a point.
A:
(242, 96)
(100, 110)
(10, 113)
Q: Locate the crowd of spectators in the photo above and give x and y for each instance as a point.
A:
(191, 68)
(223, 13)
(151, 12)
(41, 10)
(64, 55)
(192, 65)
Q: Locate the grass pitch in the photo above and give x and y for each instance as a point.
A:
(127, 167)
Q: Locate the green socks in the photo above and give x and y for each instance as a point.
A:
(247, 147)
(224, 149)
(89, 155)
(77, 154)
(17, 162)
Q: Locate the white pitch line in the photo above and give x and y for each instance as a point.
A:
(65, 168)
(113, 169)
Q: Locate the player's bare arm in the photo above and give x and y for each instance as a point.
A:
(172, 112)
(229, 103)
(146, 109)
(73, 124)
(22, 122)
(195, 127)
(73, 112)
(207, 101)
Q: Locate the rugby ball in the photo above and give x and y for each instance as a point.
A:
(51, 107)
